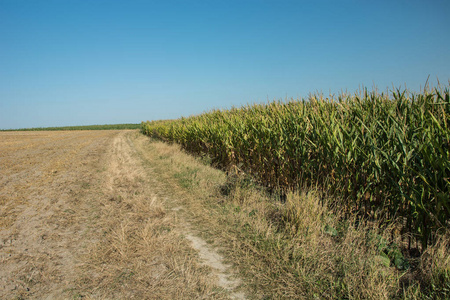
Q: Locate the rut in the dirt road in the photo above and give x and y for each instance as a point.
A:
(213, 259)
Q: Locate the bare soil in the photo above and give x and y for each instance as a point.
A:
(83, 216)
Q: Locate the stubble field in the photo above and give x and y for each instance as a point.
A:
(82, 216)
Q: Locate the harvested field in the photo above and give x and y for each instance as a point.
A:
(81, 216)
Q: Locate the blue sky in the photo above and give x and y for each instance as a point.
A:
(104, 62)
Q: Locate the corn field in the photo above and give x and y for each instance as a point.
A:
(386, 154)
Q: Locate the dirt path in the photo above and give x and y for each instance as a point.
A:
(83, 216)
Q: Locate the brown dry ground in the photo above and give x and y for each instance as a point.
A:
(82, 215)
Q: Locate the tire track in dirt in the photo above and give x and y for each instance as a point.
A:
(212, 258)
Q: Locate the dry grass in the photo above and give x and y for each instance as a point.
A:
(45, 210)
(140, 253)
(295, 248)
(87, 220)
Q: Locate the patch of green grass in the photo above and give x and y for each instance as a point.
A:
(187, 178)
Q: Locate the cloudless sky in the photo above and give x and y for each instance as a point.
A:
(70, 62)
